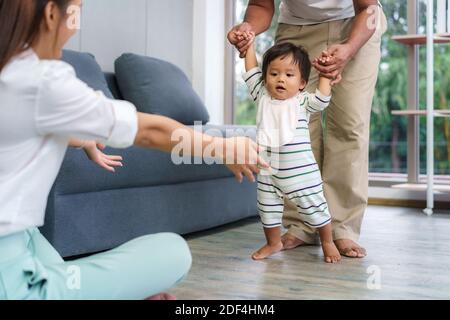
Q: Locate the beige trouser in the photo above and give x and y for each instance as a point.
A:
(340, 137)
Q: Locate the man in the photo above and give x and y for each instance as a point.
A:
(350, 32)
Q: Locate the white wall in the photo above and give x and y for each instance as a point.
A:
(161, 29)
(187, 33)
(209, 55)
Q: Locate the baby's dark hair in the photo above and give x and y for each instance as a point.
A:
(299, 54)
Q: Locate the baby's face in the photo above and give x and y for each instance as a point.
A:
(283, 78)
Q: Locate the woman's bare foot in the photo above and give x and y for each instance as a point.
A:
(291, 242)
(350, 248)
(330, 252)
(267, 251)
(162, 296)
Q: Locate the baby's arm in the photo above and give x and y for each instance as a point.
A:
(320, 100)
(253, 75)
(324, 86)
(250, 58)
(324, 83)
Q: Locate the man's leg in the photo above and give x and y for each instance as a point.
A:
(346, 141)
(315, 40)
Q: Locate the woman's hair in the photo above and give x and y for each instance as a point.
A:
(20, 22)
(299, 55)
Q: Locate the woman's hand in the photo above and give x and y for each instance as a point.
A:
(94, 153)
(242, 158)
(339, 55)
(238, 37)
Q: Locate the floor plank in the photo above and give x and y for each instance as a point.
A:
(410, 250)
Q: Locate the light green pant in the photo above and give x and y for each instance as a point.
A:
(30, 268)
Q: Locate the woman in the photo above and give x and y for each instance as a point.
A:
(43, 106)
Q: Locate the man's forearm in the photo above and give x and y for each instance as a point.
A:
(259, 14)
(367, 15)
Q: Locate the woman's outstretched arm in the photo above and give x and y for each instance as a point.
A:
(240, 154)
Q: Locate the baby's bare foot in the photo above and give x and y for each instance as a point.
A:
(267, 251)
(330, 252)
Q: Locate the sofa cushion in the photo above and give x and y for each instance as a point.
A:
(87, 70)
(112, 84)
(159, 87)
(142, 168)
(79, 224)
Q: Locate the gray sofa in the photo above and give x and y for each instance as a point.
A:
(90, 210)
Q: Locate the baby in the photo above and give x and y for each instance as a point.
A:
(284, 109)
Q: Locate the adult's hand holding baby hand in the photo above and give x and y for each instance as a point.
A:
(333, 61)
(241, 37)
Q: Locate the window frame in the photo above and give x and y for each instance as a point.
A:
(230, 74)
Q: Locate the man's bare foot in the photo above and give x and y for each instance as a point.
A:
(290, 242)
(267, 250)
(162, 296)
(330, 252)
(350, 248)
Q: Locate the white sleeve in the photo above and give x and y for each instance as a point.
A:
(67, 107)
(254, 81)
(317, 102)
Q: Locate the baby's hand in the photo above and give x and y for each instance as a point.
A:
(324, 58)
(94, 153)
(248, 36)
(245, 36)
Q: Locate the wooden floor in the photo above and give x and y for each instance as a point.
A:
(407, 251)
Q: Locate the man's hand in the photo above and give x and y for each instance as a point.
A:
(332, 67)
(238, 37)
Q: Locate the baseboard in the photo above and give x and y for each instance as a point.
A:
(407, 203)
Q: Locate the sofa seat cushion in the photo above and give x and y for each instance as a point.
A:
(158, 87)
(142, 168)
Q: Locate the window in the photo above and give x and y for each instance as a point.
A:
(388, 150)
(245, 108)
(441, 101)
(388, 133)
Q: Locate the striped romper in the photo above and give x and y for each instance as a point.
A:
(295, 173)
